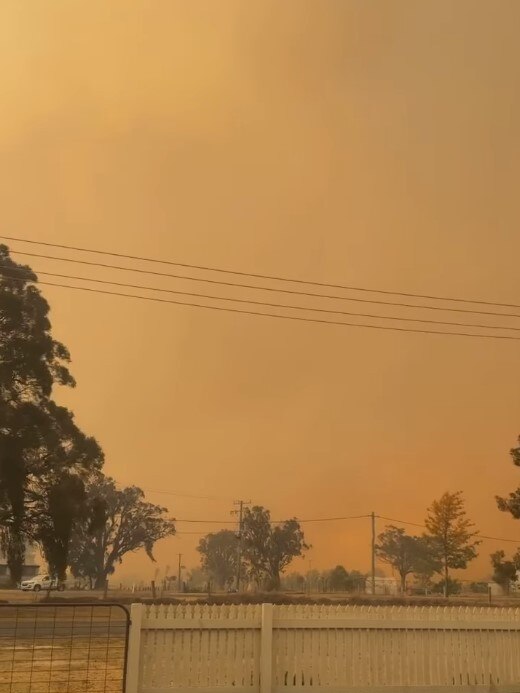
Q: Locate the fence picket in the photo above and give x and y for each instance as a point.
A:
(205, 648)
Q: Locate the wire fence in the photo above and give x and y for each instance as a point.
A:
(65, 648)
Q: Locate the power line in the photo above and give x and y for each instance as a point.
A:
(335, 519)
(282, 317)
(401, 522)
(348, 517)
(265, 288)
(284, 306)
(415, 524)
(207, 522)
(277, 522)
(208, 268)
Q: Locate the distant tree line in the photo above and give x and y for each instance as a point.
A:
(337, 579)
(450, 542)
(53, 492)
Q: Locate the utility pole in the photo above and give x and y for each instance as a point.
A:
(240, 513)
(179, 576)
(373, 517)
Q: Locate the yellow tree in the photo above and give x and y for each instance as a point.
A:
(453, 534)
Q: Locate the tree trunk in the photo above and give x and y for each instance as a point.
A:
(100, 569)
(15, 557)
(100, 582)
(274, 582)
(403, 583)
(12, 476)
(102, 572)
(446, 578)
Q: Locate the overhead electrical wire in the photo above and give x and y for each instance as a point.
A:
(277, 522)
(335, 519)
(349, 517)
(141, 287)
(282, 306)
(402, 522)
(271, 289)
(207, 522)
(415, 524)
(209, 268)
(277, 316)
(352, 517)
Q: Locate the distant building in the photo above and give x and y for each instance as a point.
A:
(383, 585)
(30, 567)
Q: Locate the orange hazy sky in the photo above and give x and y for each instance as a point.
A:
(369, 143)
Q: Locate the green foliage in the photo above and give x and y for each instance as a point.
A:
(120, 522)
(266, 549)
(479, 587)
(341, 580)
(515, 454)
(269, 549)
(453, 587)
(293, 582)
(313, 580)
(39, 441)
(452, 534)
(61, 507)
(197, 580)
(357, 581)
(406, 554)
(505, 571)
(338, 580)
(219, 556)
(511, 504)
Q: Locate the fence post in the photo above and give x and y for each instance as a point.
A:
(266, 649)
(134, 648)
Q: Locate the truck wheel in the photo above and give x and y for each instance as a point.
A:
(61, 588)
(37, 588)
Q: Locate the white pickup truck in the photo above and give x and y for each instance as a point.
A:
(41, 582)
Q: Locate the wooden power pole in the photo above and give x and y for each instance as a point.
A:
(373, 517)
(240, 513)
(179, 575)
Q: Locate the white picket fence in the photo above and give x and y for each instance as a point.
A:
(322, 649)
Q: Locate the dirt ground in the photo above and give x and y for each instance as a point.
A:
(62, 649)
(78, 665)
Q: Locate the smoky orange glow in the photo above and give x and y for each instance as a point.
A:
(374, 144)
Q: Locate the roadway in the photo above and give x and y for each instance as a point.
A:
(12, 628)
(59, 621)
